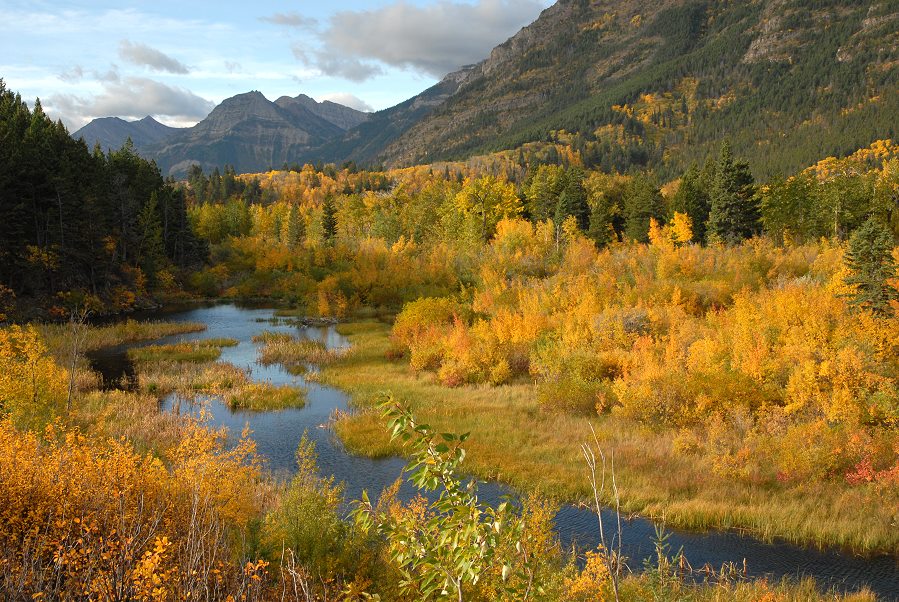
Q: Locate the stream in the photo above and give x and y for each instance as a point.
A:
(277, 435)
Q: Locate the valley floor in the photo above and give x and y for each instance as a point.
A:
(514, 441)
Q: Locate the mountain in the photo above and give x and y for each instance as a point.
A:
(626, 83)
(341, 116)
(251, 133)
(366, 142)
(661, 84)
(111, 132)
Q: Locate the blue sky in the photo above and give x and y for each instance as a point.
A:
(176, 59)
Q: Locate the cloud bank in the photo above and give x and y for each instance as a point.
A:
(134, 98)
(434, 39)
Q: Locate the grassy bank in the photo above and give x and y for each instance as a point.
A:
(58, 336)
(514, 441)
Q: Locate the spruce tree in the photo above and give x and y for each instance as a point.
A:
(734, 213)
(151, 252)
(573, 200)
(871, 265)
(692, 199)
(329, 219)
(643, 202)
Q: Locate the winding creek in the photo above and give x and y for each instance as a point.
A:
(278, 433)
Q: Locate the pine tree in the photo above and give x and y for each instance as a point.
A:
(151, 252)
(573, 200)
(329, 219)
(295, 228)
(692, 199)
(871, 265)
(602, 221)
(643, 202)
(734, 214)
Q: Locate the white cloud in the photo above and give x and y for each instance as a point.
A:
(291, 20)
(335, 65)
(73, 75)
(433, 39)
(141, 54)
(349, 100)
(131, 98)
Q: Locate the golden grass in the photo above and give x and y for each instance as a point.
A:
(642, 587)
(512, 440)
(261, 397)
(292, 352)
(163, 377)
(134, 416)
(58, 336)
(192, 351)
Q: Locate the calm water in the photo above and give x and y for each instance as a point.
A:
(278, 433)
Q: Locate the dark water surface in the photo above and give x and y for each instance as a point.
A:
(278, 433)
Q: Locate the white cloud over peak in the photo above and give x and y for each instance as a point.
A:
(349, 100)
(131, 98)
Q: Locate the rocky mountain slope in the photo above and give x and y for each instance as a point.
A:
(659, 84)
(629, 84)
(111, 132)
(247, 131)
(341, 116)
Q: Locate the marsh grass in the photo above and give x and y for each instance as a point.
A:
(646, 586)
(514, 441)
(261, 397)
(292, 352)
(267, 336)
(58, 336)
(190, 378)
(193, 351)
(134, 416)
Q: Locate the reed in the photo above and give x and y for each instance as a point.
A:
(58, 336)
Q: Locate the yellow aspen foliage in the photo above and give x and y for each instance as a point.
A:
(90, 518)
(681, 228)
(591, 584)
(32, 386)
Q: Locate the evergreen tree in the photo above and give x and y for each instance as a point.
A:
(692, 199)
(734, 213)
(151, 250)
(295, 228)
(603, 215)
(543, 191)
(870, 261)
(642, 203)
(573, 199)
(329, 219)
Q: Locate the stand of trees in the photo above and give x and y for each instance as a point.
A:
(81, 223)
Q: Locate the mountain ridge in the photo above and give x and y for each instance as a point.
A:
(628, 85)
(112, 132)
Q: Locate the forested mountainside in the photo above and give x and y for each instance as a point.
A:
(660, 84)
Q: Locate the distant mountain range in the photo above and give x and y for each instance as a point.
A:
(247, 131)
(111, 132)
(648, 85)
